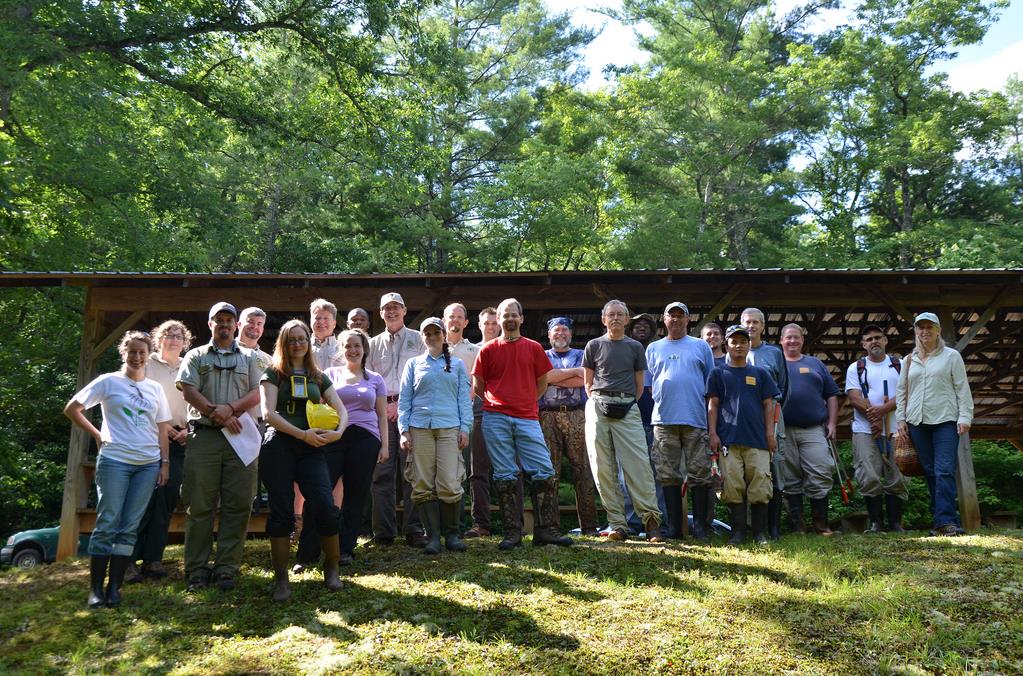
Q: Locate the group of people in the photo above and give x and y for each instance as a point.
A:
(358, 423)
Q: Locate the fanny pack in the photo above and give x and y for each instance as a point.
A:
(613, 409)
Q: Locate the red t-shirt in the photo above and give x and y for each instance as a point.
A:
(509, 370)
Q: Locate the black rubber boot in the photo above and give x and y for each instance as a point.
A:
(819, 510)
(547, 515)
(429, 512)
(758, 515)
(738, 524)
(451, 525)
(118, 564)
(673, 510)
(796, 512)
(774, 515)
(712, 501)
(331, 546)
(97, 576)
(895, 505)
(700, 499)
(875, 523)
(511, 514)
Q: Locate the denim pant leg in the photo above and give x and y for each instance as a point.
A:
(123, 492)
(938, 449)
(152, 535)
(499, 430)
(532, 449)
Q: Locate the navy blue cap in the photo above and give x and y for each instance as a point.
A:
(735, 329)
(223, 307)
(559, 321)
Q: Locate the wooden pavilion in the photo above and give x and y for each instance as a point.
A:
(980, 312)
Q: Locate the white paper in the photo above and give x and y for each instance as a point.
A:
(246, 443)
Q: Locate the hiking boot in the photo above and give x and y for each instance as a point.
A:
(154, 570)
(618, 535)
(477, 531)
(653, 532)
(132, 574)
(417, 539)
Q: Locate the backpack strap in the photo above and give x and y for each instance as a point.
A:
(861, 375)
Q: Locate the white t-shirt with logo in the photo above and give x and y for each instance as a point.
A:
(131, 410)
(875, 375)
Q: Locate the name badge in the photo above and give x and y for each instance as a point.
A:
(751, 380)
(804, 369)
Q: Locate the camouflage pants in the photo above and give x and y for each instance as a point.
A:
(564, 433)
(681, 451)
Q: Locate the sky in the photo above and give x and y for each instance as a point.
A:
(983, 66)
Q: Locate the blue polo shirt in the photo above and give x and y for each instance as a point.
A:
(741, 392)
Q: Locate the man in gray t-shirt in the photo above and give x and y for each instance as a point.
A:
(613, 375)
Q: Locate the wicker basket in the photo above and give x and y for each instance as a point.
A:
(906, 458)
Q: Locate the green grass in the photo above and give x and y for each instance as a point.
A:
(851, 604)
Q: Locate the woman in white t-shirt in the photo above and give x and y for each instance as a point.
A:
(133, 459)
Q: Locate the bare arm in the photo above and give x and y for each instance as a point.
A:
(832, 426)
(381, 408)
(572, 377)
(277, 421)
(772, 440)
(541, 385)
(712, 424)
(639, 384)
(76, 413)
(164, 430)
(588, 380)
(478, 386)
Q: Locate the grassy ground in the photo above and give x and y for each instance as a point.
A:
(851, 604)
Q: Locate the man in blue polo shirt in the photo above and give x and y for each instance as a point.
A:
(740, 403)
(678, 366)
(811, 417)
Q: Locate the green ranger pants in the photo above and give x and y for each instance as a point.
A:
(212, 471)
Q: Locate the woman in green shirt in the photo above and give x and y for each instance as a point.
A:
(293, 452)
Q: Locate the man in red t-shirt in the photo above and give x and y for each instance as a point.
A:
(510, 375)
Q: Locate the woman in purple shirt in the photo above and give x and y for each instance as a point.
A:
(354, 456)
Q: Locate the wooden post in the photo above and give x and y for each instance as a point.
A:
(75, 490)
(966, 484)
(966, 479)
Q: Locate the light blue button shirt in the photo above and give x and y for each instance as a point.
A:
(431, 398)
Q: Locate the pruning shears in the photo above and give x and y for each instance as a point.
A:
(844, 481)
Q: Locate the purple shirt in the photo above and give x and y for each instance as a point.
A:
(360, 399)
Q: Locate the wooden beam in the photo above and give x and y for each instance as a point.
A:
(894, 304)
(75, 491)
(115, 334)
(983, 319)
(1017, 444)
(966, 483)
(724, 301)
(439, 301)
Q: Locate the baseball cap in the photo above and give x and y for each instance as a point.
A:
(676, 305)
(391, 298)
(927, 316)
(431, 321)
(559, 321)
(736, 329)
(223, 307)
(359, 311)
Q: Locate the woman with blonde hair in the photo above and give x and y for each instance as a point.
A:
(934, 407)
(292, 452)
(132, 459)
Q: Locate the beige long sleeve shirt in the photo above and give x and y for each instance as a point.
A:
(938, 390)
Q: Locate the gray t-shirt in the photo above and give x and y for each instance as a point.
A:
(614, 363)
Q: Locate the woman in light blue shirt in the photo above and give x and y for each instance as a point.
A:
(434, 418)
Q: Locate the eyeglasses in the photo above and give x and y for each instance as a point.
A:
(296, 341)
(173, 336)
(872, 339)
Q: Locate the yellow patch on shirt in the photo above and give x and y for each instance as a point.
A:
(804, 369)
(751, 380)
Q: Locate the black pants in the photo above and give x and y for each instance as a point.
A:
(388, 480)
(152, 535)
(352, 458)
(285, 461)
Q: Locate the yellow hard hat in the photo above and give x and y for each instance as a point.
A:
(321, 416)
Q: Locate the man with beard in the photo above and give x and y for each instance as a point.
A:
(323, 321)
(770, 358)
(563, 419)
(614, 372)
(219, 381)
(510, 375)
(389, 350)
(870, 385)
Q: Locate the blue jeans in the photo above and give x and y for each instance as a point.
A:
(938, 449)
(508, 438)
(123, 491)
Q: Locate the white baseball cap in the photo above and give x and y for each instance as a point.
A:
(391, 298)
